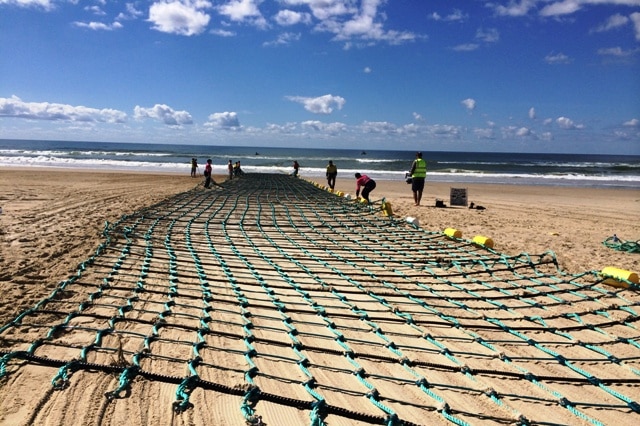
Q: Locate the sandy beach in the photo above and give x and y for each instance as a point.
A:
(52, 220)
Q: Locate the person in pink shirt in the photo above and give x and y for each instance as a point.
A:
(367, 184)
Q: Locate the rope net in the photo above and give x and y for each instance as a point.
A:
(275, 296)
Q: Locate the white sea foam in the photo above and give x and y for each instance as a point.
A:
(537, 169)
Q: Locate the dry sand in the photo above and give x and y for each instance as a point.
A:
(52, 220)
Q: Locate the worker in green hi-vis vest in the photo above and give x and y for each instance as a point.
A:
(418, 175)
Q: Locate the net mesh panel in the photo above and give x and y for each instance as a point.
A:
(374, 319)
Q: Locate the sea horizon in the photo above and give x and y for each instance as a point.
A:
(577, 170)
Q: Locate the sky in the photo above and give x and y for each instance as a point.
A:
(559, 76)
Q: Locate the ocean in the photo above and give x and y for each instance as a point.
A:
(578, 170)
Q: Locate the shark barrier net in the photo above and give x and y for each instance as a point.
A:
(269, 300)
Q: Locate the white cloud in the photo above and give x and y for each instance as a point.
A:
(331, 128)
(455, 16)
(568, 124)
(131, 13)
(635, 18)
(484, 133)
(367, 70)
(614, 21)
(557, 58)
(617, 52)
(163, 113)
(44, 4)
(410, 129)
(552, 8)
(417, 117)
(320, 105)
(99, 26)
(514, 9)
(283, 39)
(383, 127)
(325, 9)
(95, 9)
(286, 128)
(243, 11)
(567, 7)
(17, 108)
(467, 47)
(224, 120)
(222, 33)
(532, 113)
(183, 17)
(510, 132)
(564, 7)
(444, 130)
(490, 35)
(347, 22)
(469, 104)
(634, 122)
(289, 17)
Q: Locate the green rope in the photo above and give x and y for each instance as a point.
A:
(616, 243)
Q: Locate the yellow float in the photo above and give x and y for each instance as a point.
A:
(617, 277)
(453, 233)
(483, 241)
(386, 208)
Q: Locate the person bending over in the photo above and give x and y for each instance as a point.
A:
(367, 184)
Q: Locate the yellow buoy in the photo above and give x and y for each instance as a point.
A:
(386, 208)
(483, 241)
(616, 277)
(452, 233)
(340, 193)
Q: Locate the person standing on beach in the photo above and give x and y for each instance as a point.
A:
(367, 184)
(418, 175)
(194, 167)
(332, 173)
(237, 171)
(230, 169)
(296, 169)
(207, 173)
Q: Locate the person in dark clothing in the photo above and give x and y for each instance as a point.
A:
(207, 173)
(194, 167)
(332, 173)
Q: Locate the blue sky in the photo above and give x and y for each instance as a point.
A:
(459, 75)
